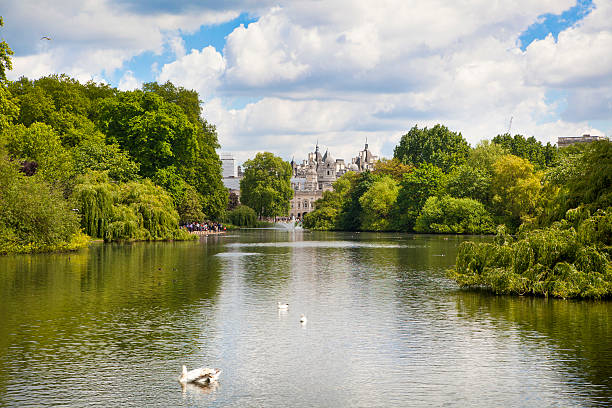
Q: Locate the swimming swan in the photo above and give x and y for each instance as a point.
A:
(283, 306)
(303, 319)
(200, 376)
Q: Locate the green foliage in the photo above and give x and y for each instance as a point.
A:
(438, 146)
(350, 217)
(327, 213)
(555, 261)
(484, 155)
(517, 189)
(394, 168)
(9, 110)
(450, 215)
(529, 148)
(34, 217)
(377, 203)
(466, 181)
(40, 144)
(94, 154)
(157, 134)
(242, 216)
(416, 187)
(5, 57)
(125, 211)
(266, 186)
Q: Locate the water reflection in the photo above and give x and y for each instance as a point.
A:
(385, 327)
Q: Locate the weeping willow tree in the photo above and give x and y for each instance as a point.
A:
(130, 211)
(569, 259)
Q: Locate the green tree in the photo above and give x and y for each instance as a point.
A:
(425, 181)
(393, 168)
(466, 181)
(95, 154)
(484, 155)
(529, 148)
(242, 216)
(327, 212)
(516, 188)
(377, 204)
(449, 215)
(438, 146)
(40, 144)
(5, 58)
(33, 216)
(266, 186)
(350, 217)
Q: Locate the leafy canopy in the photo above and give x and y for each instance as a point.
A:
(438, 146)
(266, 186)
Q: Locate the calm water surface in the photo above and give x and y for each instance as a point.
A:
(112, 325)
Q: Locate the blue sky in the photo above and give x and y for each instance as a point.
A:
(279, 75)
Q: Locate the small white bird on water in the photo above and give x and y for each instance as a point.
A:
(201, 376)
(303, 319)
(283, 306)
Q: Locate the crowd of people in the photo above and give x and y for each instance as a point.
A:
(204, 226)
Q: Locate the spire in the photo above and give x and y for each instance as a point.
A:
(317, 147)
(366, 146)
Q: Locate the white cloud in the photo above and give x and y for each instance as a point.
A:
(199, 70)
(129, 82)
(341, 70)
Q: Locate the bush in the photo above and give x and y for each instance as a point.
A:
(555, 261)
(454, 216)
(242, 216)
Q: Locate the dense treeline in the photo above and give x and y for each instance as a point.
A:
(436, 183)
(88, 158)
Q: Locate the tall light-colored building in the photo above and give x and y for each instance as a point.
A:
(228, 164)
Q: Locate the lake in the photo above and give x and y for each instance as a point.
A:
(112, 325)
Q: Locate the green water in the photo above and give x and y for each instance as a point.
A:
(112, 325)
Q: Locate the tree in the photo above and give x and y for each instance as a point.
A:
(327, 212)
(266, 186)
(438, 146)
(350, 217)
(466, 181)
(40, 144)
(33, 216)
(393, 168)
(233, 201)
(449, 215)
(5, 57)
(377, 203)
(416, 187)
(8, 109)
(529, 148)
(516, 188)
(242, 216)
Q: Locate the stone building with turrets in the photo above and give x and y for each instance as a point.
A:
(318, 173)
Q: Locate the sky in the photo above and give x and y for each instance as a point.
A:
(281, 76)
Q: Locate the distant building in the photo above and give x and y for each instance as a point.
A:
(228, 164)
(317, 174)
(567, 141)
(231, 178)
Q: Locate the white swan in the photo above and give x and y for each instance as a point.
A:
(283, 306)
(303, 319)
(200, 376)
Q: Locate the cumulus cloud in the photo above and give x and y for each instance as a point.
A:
(198, 70)
(129, 82)
(343, 70)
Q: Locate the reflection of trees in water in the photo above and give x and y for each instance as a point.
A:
(108, 299)
(580, 330)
